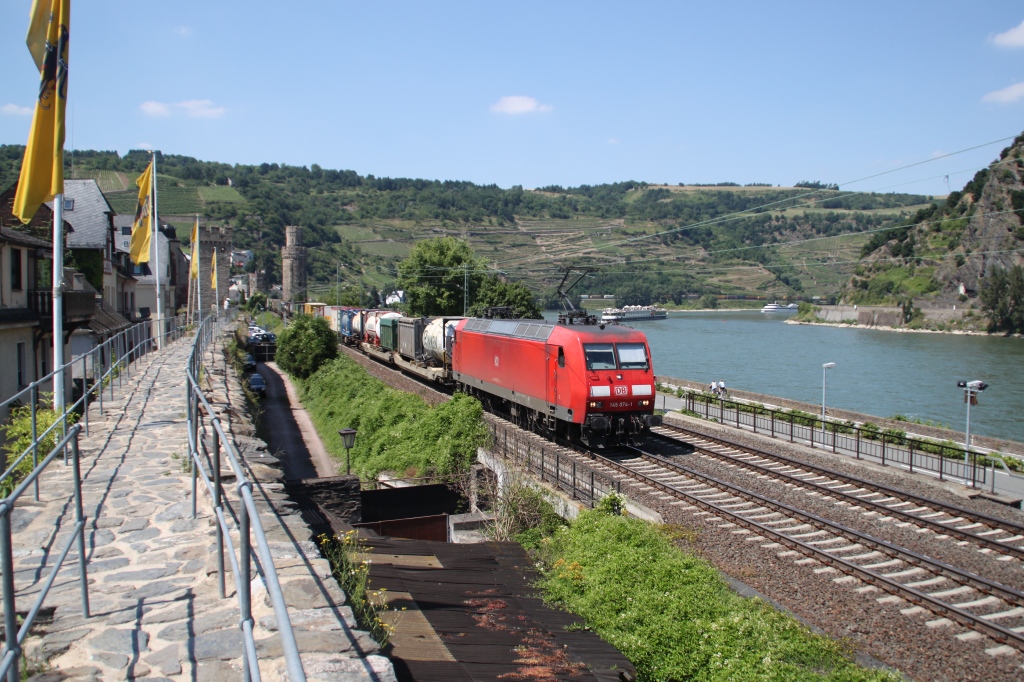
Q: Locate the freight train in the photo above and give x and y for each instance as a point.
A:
(588, 383)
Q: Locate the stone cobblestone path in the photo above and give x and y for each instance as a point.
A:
(156, 612)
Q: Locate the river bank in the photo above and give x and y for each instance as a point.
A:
(902, 330)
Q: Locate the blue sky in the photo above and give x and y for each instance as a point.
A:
(535, 93)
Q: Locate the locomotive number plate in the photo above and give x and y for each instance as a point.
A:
(496, 361)
(622, 390)
(625, 403)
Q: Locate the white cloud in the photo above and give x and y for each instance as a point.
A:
(1007, 95)
(201, 108)
(183, 31)
(193, 108)
(1010, 39)
(155, 109)
(15, 110)
(513, 105)
(613, 140)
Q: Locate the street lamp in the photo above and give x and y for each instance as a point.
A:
(348, 439)
(824, 369)
(971, 391)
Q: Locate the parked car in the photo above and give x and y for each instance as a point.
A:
(249, 364)
(269, 337)
(257, 385)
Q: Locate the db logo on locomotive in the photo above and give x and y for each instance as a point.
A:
(621, 390)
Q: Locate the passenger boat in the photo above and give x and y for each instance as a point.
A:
(776, 308)
(633, 313)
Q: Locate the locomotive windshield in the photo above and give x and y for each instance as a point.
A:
(599, 355)
(632, 356)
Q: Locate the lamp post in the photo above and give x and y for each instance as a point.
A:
(824, 370)
(971, 391)
(348, 439)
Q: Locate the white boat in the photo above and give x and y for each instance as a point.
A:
(633, 313)
(776, 308)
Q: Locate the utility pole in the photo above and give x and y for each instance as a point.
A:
(465, 290)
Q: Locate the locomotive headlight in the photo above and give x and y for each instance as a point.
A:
(644, 403)
(596, 403)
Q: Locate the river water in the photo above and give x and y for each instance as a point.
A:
(877, 372)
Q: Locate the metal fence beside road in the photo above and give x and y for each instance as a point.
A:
(886, 448)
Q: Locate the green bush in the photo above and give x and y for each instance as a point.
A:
(895, 436)
(18, 434)
(305, 345)
(673, 615)
(869, 430)
(398, 431)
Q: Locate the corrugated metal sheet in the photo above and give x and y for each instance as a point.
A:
(483, 608)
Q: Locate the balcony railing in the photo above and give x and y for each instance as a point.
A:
(78, 305)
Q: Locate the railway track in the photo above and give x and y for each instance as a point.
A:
(966, 605)
(991, 534)
(868, 564)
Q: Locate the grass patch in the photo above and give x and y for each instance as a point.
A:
(397, 249)
(673, 615)
(221, 193)
(346, 554)
(398, 431)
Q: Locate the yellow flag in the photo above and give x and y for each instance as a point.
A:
(42, 170)
(193, 272)
(213, 268)
(142, 229)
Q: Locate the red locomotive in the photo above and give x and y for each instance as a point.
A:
(589, 383)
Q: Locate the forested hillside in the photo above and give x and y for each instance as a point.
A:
(651, 243)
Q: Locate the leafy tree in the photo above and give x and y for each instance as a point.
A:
(305, 345)
(256, 302)
(435, 274)
(1002, 299)
(707, 301)
(515, 295)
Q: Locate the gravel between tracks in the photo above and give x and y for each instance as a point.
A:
(919, 484)
(946, 548)
(901, 641)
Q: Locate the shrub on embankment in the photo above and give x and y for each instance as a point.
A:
(398, 431)
(671, 613)
(305, 345)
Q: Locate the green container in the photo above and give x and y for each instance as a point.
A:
(389, 333)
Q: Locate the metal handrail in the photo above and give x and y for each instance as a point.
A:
(248, 516)
(117, 354)
(13, 642)
(914, 453)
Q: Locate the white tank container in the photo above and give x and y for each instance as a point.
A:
(373, 322)
(435, 337)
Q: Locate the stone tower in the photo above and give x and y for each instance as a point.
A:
(210, 237)
(293, 265)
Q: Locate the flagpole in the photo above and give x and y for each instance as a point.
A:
(58, 302)
(158, 271)
(217, 279)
